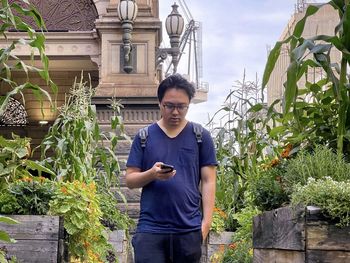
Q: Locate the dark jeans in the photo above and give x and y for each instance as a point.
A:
(167, 248)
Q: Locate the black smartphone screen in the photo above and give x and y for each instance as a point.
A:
(167, 168)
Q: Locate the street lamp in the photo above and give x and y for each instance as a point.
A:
(174, 25)
(127, 12)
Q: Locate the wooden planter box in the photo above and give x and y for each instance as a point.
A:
(302, 235)
(38, 238)
(214, 243)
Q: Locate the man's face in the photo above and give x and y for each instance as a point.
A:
(174, 106)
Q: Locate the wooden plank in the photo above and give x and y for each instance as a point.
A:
(220, 238)
(33, 251)
(281, 228)
(321, 256)
(289, 228)
(324, 236)
(278, 256)
(33, 227)
(263, 230)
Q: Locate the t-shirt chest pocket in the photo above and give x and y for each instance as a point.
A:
(188, 157)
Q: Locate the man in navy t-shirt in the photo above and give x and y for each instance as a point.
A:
(176, 206)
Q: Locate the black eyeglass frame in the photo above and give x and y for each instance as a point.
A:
(171, 107)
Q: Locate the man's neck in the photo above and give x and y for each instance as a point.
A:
(172, 131)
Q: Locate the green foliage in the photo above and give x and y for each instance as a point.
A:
(9, 62)
(3, 235)
(4, 258)
(218, 224)
(267, 190)
(241, 249)
(306, 120)
(29, 196)
(112, 217)
(81, 151)
(333, 197)
(14, 163)
(79, 205)
(317, 164)
(240, 252)
(242, 145)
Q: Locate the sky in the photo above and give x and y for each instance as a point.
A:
(236, 35)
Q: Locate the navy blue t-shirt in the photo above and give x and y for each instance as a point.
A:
(172, 206)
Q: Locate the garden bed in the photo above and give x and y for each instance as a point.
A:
(38, 238)
(302, 235)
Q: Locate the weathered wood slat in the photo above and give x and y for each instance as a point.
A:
(315, 256)
(33, 227)
(281, 229)
(33, 251)
(321, 240)
(278, 256)
(324, 236)
(39, 239)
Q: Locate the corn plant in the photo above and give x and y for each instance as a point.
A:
(11, 19)
(242, 144)
(324, 117)
(74, 147)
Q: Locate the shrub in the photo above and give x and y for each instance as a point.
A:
(31, 196)
(267, 190)
(331, 196)
(318, 164)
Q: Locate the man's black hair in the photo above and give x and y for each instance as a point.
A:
(178, 82)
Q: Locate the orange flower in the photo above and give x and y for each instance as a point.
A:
(64, 190)
(285, 153)
(275, 162)
(220, 212)
(232, 246)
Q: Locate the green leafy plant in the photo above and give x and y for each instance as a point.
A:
(302, 120)
(317, 163)
(3, 235)
(11, 18)
(112, 217)
(267, 189)
(333, 197)
(28, 196)
(14, 162)
(5, 258)
(242, 145)
(218, 224)
(78, 203)
(241, 248)
(80, 150)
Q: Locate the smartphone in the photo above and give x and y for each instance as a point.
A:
(167, 168)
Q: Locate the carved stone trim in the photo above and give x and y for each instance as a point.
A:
(65, 15)
(137, 116)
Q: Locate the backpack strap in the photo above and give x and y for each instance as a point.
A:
(143, 133)
(197, 130)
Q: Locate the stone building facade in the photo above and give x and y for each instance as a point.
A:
(86, 35)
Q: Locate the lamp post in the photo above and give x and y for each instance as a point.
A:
(127, 12)
(174, 25)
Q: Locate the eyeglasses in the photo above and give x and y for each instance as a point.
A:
(179, 107)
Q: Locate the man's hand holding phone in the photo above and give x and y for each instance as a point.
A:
(164, 171)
